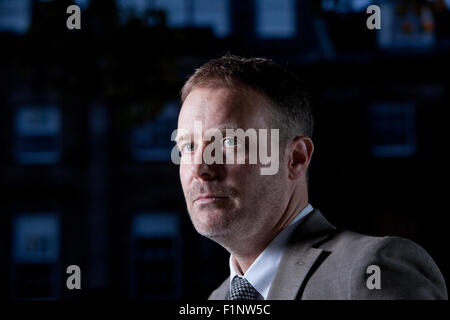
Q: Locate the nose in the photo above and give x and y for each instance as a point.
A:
(201, 170)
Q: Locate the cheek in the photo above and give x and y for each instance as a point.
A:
(184, 175)
(244, 175)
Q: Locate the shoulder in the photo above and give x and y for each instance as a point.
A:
(221, 292)
(405, 269)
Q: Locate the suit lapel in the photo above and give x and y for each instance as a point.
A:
(299, 256)
(222, 292)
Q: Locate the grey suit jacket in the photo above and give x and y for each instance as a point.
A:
(321, 262)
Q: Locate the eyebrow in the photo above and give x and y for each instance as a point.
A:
(222, 128)
(187, 136)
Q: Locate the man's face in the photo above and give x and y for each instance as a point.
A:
(232, 201)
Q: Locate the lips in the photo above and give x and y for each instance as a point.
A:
(208, 198)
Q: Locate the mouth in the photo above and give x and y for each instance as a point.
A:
(208, 198)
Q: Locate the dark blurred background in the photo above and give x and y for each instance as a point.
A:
(86, 117)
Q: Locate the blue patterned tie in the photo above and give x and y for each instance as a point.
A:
(241, 289)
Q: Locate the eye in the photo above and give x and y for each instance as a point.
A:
(230, 142)
(187, 147)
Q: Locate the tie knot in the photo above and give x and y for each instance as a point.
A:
(241, 289)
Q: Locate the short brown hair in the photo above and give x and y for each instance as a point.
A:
(290, 101)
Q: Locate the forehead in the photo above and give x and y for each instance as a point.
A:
(224, 107)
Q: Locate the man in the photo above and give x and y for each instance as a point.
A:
(280, 246)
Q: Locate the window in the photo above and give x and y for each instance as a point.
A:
(393, 130)
(276, 18)
(405, 26)
(156, 255)
(214, 14)
(346, 6)
(35, 254)
(15, 15)
(183, 13)
(176, 10)
(37, 135)
(83, 4)
(151, 140)
(36, 238)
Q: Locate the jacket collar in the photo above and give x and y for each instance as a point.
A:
(298, 258)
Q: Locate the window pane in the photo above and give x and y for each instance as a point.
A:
(392, 127)
(276, 18)
(36, 238)
(151, 141)
(15, 15)
(156, 255)
(214, 14)
(37, 135)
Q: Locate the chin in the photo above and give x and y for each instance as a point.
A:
(211, 233)
(214, 222)
(211, 228)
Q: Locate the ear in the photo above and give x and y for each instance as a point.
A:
(299, 155)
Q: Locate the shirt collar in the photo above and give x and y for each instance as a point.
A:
(263, 269)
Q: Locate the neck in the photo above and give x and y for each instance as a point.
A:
(245, 251)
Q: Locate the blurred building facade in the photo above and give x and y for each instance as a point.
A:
(87, 115)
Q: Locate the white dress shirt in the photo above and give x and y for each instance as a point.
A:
(263, 269)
